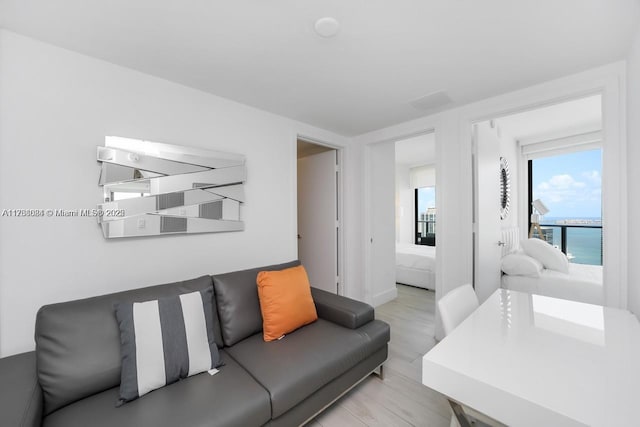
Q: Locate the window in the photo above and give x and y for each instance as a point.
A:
(570, 185)
(425, 216)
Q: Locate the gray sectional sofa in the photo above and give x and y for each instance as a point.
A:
(73, 376)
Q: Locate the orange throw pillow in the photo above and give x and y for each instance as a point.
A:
(285, 301)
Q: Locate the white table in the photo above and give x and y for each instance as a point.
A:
(530, 360)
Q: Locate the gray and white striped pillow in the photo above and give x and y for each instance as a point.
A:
(165, 340)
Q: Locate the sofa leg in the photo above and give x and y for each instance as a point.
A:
(380, 372)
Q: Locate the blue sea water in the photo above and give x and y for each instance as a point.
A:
(583, 243)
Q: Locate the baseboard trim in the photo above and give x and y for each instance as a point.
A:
(386, 296)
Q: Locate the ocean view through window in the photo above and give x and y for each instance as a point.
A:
(570, 185)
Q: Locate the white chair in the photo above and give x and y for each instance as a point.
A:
(456, 306)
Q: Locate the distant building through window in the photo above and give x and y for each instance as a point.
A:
(425, 216)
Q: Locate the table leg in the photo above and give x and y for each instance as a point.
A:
(463, 419)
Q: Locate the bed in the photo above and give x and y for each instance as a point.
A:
(581, 283)
(416, 265)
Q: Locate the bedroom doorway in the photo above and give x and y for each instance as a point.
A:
(393, 170)
(319, 232)
(416, 213)
(400, 177)
(544, 165)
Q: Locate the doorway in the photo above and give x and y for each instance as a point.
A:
(416, 214)
(319, 232)
(400, 222)
(394, 169)
(545, 165)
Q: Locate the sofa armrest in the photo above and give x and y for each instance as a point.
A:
(344, 311)
(20, 393)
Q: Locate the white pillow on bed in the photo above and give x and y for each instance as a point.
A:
(520, 264)
(552, 258)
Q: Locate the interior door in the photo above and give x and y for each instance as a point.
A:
(487, 228)
(317, 219)
(382, 237)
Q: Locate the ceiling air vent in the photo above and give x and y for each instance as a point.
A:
(432, 101)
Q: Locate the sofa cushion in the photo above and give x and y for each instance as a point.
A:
(165, 340)
(319, 400)
(285, 301)
(78, 342)
(294, 367)
(238, 304)
(344, 311)
(229, 398)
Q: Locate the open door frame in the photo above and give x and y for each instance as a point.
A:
(368, 204)
(342, 283)
(608, 81)
(453, 129)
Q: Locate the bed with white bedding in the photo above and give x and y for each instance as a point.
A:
(531, 267)
(416, 265)
(582, 283)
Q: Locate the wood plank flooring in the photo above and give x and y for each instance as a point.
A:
(401, 399)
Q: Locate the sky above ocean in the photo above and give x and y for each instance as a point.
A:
(570, 185)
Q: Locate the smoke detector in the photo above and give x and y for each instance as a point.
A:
(327, 27)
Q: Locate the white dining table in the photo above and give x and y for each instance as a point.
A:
(531, 360)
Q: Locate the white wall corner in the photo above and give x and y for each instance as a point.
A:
(385, 296)
(632, 92)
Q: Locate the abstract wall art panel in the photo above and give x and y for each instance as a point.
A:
(153, 189)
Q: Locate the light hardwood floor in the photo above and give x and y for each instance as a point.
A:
(401, 399)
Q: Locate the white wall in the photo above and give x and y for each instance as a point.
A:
(381, 192)
(633, 162)
(405, 212)
(354, 232)
(55, 108)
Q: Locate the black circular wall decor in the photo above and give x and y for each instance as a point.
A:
(505, 188)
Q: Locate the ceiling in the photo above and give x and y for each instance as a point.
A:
(555, 121)
(569, 118)
(386, 54)
(416, 151)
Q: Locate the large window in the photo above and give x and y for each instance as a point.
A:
(570, 185)
(425, 216)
